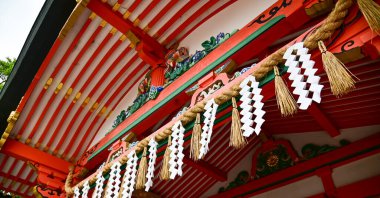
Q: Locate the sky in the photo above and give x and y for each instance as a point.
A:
(16, 20)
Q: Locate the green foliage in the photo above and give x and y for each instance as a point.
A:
(6, 67)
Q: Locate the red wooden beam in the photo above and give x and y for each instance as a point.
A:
(24, 152)
(194, 16)
(161, 14)
(323, 120)
(116, 20)
(328, 183)
(207, 169)
(303, 168)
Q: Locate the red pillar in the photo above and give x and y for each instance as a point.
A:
(158, 76)
(325, 174)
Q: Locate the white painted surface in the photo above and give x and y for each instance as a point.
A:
(233, 17)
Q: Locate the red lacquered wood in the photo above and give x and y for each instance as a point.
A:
(63, 59)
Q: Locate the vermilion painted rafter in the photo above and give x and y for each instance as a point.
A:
(130, 76)
(109, 101)
(39, 74)
(24, 152)
(98, 83)
(323, 120)
(133, 7)
(228, 3)
(69, 71)
(147, 10)
(81, 89)
(176, 16)
(194, 16)
(112, 98)
(162, 13)
(59, 66)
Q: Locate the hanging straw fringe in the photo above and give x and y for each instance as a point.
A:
(164, 172)
(285, 100)
(341, 81)
(371, 12)
(333, 21)
(141, 174)
(196, 138)
(237, 140)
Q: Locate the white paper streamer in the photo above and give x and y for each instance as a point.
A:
(176, 155)
(209, 115)
(113, 185)
(85, 189)
(293, 61)
(76, 192)
(152, 160)
(130, 175)
(99, 186)
(251, 93)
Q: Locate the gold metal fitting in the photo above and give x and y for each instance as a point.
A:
(113, 31)
(103, 23)
(77, 96)
(68, 93)
(48, 83)
(103, 111)
(59, 87)
(92, 16)
(116, 6)
(86, 101)
(126, 15)
(94, 106)
(136, 22)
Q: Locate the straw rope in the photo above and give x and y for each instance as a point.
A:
(333, 21)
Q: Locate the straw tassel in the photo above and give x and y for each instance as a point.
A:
(196, 138)
(371, 12)
(164, 172)
(285, 100)
(141, 174)
(237, 140)
(341, 81)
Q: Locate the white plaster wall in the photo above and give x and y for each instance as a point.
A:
(233, 17)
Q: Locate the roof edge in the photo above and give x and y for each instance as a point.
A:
(45, 30)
